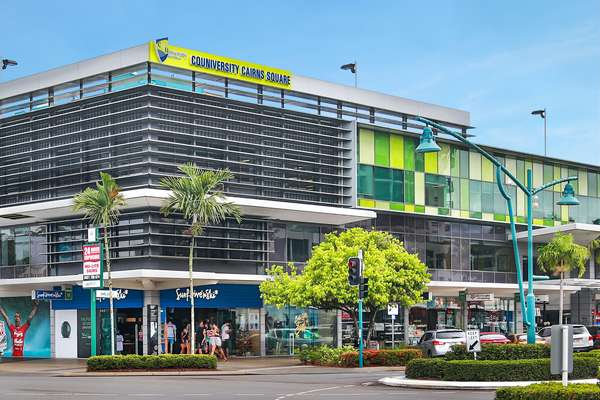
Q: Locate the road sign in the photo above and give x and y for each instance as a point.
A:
(473, 342)
(393, 309)
(38, 294)
(92, 265)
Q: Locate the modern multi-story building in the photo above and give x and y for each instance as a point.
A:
(309, 157)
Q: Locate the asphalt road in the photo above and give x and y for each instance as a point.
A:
(327, 386)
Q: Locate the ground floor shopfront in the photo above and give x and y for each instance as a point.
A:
(62, 328)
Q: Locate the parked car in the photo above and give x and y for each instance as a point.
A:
(594, 330)
(582, 340)
(439, 342)
(493, 338)
(522, 338)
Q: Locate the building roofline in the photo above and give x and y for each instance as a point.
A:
(316, 87)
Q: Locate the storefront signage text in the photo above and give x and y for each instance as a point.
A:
(92, 265)
(118, 294)
(162, 52)
(51, 295)
(205, 294)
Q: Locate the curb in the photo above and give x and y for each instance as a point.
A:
(403, 382)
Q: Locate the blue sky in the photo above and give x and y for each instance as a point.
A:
(498, 60)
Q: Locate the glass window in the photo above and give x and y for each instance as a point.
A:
(431, 162)
(475, 196)
(548, 173)
(438, 252)
(454, 162)
(409, 154)
(474, 165)
(464, 194)
(409, 187)
(396, 151)
(464, 164)
(382, 149)
(437, 190)
(365, 181)
(487, 197)
(444, 160)
(398, 186)
(298, 250)
(383, 183)
(592, 184)
(366, 151)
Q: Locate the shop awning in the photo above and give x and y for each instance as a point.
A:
(452, 288)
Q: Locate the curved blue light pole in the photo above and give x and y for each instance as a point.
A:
(527, 304)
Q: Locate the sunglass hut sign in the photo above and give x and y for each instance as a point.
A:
(162, 52)
(204, 294)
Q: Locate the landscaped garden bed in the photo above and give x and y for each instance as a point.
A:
(550, 391)
(348, 356)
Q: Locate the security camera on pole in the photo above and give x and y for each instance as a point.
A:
(355, 278)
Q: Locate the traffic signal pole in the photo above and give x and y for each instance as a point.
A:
(360, 313)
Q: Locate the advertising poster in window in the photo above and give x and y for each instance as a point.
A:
(27, 327)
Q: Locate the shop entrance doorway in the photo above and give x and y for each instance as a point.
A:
(181, 318)
(128, 336)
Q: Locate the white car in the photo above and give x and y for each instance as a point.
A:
(582, 340)
(438, 343)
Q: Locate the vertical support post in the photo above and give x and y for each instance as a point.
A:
(360, 313)
(564, 329)
(406, 322)
(93, 350)
(360, 333)
(393, 333)
(530, 295)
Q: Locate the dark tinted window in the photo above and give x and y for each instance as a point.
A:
(578, 330)
(450, 335)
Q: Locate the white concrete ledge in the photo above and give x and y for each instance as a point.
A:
(403, 382)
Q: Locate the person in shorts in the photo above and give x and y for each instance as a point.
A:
(226, 338)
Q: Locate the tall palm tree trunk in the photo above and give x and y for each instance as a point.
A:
(110, 291)
(192, 300)
(560, 308)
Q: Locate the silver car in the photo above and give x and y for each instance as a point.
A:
(439, 342)
(582, 340)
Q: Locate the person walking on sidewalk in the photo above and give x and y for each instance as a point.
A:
(226, 338)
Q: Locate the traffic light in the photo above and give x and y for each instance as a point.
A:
(363, 289)
(354, 271)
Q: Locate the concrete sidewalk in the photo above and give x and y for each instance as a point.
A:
(235, 366)
(403, 382)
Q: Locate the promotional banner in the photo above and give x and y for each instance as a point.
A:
(162, 52)
(27, 327)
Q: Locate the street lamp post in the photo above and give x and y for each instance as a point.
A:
(428, 144)
(542, 113)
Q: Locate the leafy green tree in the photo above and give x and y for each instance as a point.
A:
(198, 195)
(560, 256)
(395, 276)
(102, 207)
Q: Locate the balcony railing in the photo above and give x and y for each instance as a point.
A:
(23, 271)
(449, 275)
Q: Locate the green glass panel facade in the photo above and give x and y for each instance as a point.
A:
(409, 154)
(382, 149)
(459, 182)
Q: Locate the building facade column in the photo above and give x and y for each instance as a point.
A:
(263, 336)
(151, 297)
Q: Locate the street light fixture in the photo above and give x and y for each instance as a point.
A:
(542, 113)
(428, 145)
(6, 63)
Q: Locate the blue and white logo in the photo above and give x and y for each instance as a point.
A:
(162, 48)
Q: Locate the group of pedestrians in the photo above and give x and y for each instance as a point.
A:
(210, 339)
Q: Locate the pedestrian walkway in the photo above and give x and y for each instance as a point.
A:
(235, 366)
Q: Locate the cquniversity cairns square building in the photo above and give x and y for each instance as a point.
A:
(309, 157)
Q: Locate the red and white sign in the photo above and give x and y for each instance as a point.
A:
(92, 265)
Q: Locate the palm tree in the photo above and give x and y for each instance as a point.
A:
(198, 195)
(101, 206)
(562, 255)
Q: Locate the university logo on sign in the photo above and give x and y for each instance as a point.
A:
(162, 48)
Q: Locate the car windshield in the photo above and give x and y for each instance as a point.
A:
(579, 330)
(493, 337)
(450, 335)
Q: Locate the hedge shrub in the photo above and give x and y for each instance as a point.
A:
(550, 391)
(151, 362)
(501, 352)
(432, 368)
(396, 357)
(496, 370)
